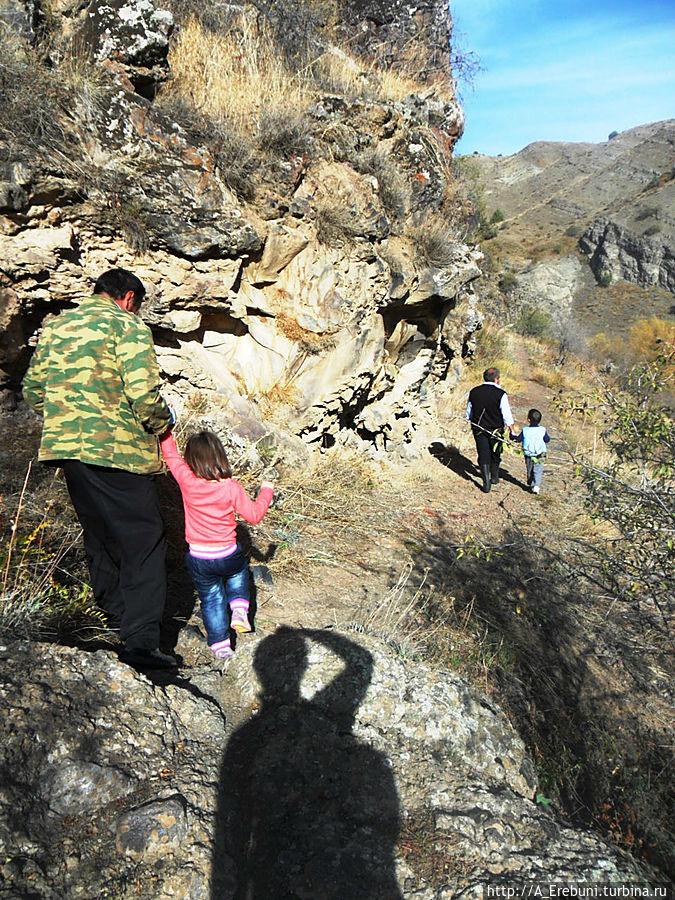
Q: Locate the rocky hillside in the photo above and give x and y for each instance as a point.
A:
(294, 773)
(573, 217)
(303, 264)
(278, 175)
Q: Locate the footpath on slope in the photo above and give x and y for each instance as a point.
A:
(492, 586)
(355, 568)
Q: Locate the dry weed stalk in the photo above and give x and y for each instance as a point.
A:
(15, 527)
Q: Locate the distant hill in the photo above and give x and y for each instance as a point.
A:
(585, 230)
(550, 186)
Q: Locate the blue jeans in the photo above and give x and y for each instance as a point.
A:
(219, 582)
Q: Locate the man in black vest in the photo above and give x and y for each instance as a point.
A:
(488, 411)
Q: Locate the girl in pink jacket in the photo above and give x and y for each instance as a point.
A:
(211, 497)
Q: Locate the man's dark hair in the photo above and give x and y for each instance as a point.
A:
(206, 456)
(116, 282)
(534, 416)
(491, 374)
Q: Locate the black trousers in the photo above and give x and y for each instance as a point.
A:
(125, 544)
(488, 446)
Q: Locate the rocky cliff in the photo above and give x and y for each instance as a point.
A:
(306, 270)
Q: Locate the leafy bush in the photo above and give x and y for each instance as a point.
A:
(497, 216)
(636, 493)
(652, 230)
(605, 279)
(507, 282)
(573, 230)
(533, 321)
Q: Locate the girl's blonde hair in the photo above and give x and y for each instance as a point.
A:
(206, 456)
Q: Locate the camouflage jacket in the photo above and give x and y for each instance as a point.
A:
(94, 378)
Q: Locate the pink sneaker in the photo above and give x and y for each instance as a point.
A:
(239, 621)
(222, 650)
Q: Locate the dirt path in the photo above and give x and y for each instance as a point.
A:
(357, 567)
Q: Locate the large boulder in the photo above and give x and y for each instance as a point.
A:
(319, 764)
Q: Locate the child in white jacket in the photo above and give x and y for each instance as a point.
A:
(534, 439)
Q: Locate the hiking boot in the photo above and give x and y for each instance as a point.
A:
(487, 483)
(239, 621)
(147, 659)
(494, 473)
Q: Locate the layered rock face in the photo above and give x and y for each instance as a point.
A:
(317, 765)
(616, 252)
(313, 301)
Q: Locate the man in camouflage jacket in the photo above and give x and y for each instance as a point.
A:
(94, 378)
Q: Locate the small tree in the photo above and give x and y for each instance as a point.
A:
(636, 493)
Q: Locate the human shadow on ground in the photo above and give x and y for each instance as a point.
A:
(452, 458)
(305, 809)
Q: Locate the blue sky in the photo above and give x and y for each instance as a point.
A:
(563, 70)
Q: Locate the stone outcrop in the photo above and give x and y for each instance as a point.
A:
(316, 764)
(618, 196)
(550, 286)
(616, 252)
(313, 299)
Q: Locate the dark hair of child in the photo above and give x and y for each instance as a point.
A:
(206, 456)
(534, 416)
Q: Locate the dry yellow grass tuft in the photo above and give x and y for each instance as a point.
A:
(234, 75)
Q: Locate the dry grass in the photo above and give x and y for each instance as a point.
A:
(332, 496)
(496, 347)
(309, 341)
(234, 74)
(278, 398)
(43, 586)
(337, 226)
(434, 240)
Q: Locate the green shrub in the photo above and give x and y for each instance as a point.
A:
(533, 321)
(573, 230)
(507, 282)
(497, 216)
(605, 279)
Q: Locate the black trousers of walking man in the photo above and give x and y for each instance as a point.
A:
(124, 540)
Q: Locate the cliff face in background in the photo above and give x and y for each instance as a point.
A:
(310, 292)
(576, 215)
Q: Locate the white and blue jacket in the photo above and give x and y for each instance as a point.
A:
(534, 439)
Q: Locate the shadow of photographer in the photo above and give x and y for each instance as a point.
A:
(306, 809)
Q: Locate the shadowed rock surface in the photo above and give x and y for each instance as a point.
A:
(293, 772)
